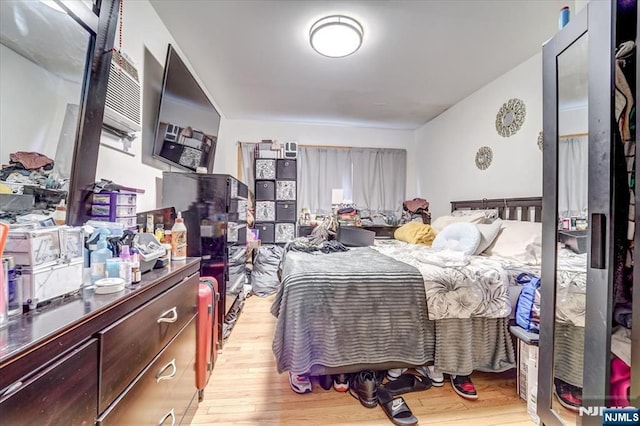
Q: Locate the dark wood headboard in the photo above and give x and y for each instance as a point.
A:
(523, 209)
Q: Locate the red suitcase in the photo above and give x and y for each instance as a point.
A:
(207, 332)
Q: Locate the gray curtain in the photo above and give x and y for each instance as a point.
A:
(379, 179)
(573, 173)
(373, 178)
(319, 171)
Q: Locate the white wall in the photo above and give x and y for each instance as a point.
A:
(234, 131)
(573, 121)
(32, 106)
(447, 145)
(143, 29)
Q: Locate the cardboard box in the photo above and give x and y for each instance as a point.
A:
(532, 383)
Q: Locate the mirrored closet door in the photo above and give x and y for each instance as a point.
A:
(587, 216)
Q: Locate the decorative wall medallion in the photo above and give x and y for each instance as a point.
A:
(540, 141)
(484, 157)
(510, 117)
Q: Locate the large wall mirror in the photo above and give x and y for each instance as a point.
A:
(572, 235)
(52, 85)
(574, 341)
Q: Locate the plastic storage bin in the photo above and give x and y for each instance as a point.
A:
(119, 207)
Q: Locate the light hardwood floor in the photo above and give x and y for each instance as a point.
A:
(245, 388)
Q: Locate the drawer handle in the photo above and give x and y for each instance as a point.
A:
(174, 370)
(173, 318)
(171, 414)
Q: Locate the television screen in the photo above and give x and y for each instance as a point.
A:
(187, 128)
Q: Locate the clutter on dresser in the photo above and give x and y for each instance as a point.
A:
(48, 261)
(115, 203)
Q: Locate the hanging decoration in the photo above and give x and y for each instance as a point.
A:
(510, 117)
(540, 141)
(484, 157)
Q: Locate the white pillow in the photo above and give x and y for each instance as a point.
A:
(518, 240)
(488, 233)
(461, 237)
(440, 223)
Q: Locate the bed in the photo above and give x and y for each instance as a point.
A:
(364, 309)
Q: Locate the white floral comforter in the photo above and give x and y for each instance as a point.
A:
(456, 285)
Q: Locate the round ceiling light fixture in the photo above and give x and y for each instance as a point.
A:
(336, 36)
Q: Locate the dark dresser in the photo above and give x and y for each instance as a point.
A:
(214, 208)
(125, 358)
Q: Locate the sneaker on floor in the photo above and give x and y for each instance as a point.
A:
(364, 387)
(341, 382)
(394, 373)
(300, 383)
(430, 371)
(325, 382)
(464, 387)
(569, 396)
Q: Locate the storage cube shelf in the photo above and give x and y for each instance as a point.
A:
(276, 195)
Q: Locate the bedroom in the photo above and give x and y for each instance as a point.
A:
(441, 153)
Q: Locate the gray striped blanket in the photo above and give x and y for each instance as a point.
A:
(343, 312)
(347, 308)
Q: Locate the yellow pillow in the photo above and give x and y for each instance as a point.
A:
(415, 233)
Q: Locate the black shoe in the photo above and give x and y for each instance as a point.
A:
(325, 382)
(364, 387)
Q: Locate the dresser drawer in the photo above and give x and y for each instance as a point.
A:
(65, 393)
(131, 343)
(162, 392)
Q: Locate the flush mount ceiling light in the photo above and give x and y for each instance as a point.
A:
(336, 36)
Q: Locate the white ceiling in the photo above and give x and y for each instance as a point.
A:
(418, 57)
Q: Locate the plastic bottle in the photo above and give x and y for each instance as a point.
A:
(60, 214)
(179, 239)
(99, 259)
(136, 274)
(125, 265)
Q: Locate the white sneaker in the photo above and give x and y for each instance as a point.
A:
(394, 373)
(300, 383)
(430, 371)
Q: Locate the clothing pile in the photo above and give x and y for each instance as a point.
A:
(417, 208)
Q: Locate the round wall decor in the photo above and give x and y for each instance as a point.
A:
(540, 141)
(484, 157)
(510, 117)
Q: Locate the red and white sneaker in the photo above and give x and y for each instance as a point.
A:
(341, 382)
(300, 383)
(464, 387)
(569, 396)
